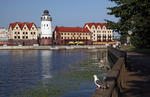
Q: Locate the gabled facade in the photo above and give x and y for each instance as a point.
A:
(71, 35)
(22, 33)
(100, 32)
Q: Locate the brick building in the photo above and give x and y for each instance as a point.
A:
(71, 35)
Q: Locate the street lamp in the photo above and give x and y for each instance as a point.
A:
(129, 37)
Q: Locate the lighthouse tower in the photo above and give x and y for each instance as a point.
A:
(46, 29)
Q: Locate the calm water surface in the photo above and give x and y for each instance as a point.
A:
(64, 72)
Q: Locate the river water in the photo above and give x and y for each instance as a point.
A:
(49, 73)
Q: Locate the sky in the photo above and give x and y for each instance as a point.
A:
(69, 13)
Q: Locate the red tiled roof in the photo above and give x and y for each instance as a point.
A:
(22, 24)
(71, 29)
(96, 25)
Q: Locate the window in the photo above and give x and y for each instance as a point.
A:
(23, 37)
(31, 32)
(47, 25)
(26, 37)
(18, 37)
(18, 32)
(34, 33)
(23, 32)
(61, 33)
(32, 28)
(24, 27)
(16, 27)
(15, 32)
(61, 37)
(26, 32)
(15, 37)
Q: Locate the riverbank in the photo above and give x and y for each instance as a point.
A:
(51, 47)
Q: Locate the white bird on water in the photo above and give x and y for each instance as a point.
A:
(100, 84)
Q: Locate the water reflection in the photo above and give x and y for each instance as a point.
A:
(46, 65)
(17, 71)
(23, 69)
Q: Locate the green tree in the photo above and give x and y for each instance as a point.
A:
(133, 15)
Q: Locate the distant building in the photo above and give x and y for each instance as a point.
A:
(46, 29)
(100, 33)
(3, 36)
(22, 33)
(71, 35)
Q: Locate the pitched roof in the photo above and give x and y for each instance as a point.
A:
(71, 29)
(21, 25)
(96, 25)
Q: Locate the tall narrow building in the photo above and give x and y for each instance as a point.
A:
(46, 29)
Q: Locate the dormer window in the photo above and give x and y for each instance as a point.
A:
(104, 27)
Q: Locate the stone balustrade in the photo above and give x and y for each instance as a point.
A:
(116, 77)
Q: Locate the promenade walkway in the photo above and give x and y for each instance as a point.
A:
(137, 75)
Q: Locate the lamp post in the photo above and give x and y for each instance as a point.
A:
(129, 37)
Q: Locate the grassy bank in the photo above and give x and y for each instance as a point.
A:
(134, 49)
